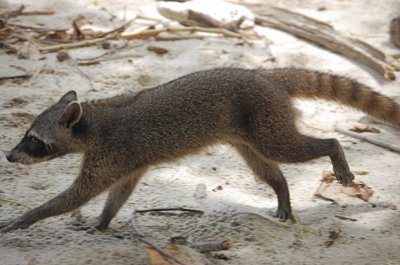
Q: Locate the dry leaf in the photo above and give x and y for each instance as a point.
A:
(357, 189)
(157, 49)
(155, 257)
(365, 128)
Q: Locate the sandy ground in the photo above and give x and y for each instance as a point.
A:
(373, 239)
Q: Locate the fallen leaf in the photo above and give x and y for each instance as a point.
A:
(155, 257)
(157, 49)
(359, 189)
(365, 128)
(330, 189)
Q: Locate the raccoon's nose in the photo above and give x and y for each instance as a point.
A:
(9, 156)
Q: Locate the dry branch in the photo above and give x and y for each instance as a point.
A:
(182, 209)
(143, 35)
(323, 34)
(141, 237)
(73, 45)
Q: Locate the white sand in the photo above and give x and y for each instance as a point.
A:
(373, 239)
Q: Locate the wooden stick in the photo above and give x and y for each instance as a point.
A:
(154, 32)
(73, 45)
(345, 218)
(23, 76)
(271, 219)
(372, 140)
(323, 34)
(37, 13)
(141, 237)
(170, 209)
(120, 29)
(144, 34)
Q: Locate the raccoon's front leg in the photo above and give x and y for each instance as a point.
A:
(117, 196)
(86, 186)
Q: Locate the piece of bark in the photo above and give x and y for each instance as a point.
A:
(325, 35)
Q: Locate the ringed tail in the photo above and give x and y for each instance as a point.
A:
(313, 84)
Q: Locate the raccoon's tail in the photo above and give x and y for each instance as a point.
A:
(313, 84)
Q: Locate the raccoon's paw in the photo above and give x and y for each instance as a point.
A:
(11, 225)
(284, 214)
(345, 177)
(89, 227)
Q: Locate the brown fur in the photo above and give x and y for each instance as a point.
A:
(121, 137)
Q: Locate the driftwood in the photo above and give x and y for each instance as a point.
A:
(325, 35)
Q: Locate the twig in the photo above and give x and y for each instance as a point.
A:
(372, 140)
(107, 55)
(16, 202)
(92, 88)
(37, 13)
(278, 223)
(13, 13)
(73, 45)
(174, 37)
(37, 29)
(119, 29)
(345, 218)
(114, 57)
(23, 76)
(170, 209)
(35, 75)
(144, 34)
(154, 32)
(141, 237)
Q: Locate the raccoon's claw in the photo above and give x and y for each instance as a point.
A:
(90, 228)
(345, 178)
(283, 215)
(8, 226)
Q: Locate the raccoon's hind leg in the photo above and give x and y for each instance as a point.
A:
(301, 148)
(276, 137)
(269, 172)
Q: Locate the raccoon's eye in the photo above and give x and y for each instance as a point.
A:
(34, 140)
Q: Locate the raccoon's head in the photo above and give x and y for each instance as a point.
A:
(50, 134)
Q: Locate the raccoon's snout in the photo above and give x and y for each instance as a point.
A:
(10, 157)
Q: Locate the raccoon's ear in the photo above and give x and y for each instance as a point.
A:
(69, 97)
(71, 115)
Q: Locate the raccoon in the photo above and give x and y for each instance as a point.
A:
(122, 136)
